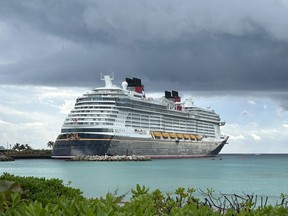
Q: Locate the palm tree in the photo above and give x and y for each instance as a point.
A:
(22, 147)
(27, 147)
(16, 147)
(50, 144)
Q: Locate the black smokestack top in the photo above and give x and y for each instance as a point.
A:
(167, 94)
(137, 81)
(175, 94)
(133, 82)
(129, 81)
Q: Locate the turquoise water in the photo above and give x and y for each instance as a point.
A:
(265, 175)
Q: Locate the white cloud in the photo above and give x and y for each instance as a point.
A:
(67, 106)
(280, 112)
(251, 102)
(255, 136)
(268, 137)
(245, 113)
(26, 119)
(252, 125)
(238, 137)
(4, 123)
(35, 124)
(11, 111)
(44, 92)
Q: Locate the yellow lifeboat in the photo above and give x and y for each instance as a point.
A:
(198, 137)
(172, 135)
(179, 136)
(165, 135)
(156, 134)
(192, 136)
(186, 136)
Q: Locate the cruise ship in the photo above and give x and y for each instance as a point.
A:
(113, 120)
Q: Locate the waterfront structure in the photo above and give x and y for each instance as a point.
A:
(114, 120)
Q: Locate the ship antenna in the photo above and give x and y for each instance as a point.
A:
(102, 76)
(108, 79)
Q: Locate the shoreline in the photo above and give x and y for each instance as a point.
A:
(26, 154)
(5, 158)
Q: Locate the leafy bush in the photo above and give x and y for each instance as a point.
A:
(43, 190)
(39, 196)
(11, 194)
(182, 202)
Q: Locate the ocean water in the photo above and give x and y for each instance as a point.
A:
(262, 175)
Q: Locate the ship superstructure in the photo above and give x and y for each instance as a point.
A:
(116, 120)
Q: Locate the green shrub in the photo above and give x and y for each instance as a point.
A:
(43, 190)
(39, 196)
(11, 194)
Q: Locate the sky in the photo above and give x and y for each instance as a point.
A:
(231, 55)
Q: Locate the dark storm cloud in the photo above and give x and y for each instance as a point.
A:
(190, 45)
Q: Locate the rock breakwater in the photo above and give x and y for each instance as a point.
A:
(5, 158)
(110, 158)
